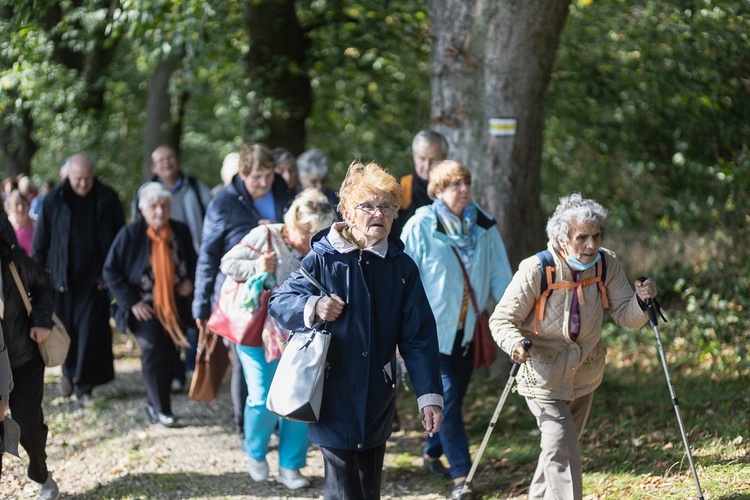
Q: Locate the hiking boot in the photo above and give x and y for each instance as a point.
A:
(258, 470)
(458, 489)
(66, 386)
(436, 468)
(48, 490)
(292, 479)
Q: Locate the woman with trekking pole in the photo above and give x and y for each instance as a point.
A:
(557, 299)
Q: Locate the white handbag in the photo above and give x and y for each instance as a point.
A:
(296, 390)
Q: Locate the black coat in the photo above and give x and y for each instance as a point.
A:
(16, 323)
(230, 216)
(130, 256)
(50, 248)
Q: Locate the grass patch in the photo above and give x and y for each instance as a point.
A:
(632, 448)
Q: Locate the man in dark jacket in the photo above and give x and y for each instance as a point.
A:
(255, 196)
(427, 148)
(76, 226)
(22, 334)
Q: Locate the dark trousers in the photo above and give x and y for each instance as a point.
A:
(157, 359)
(455, 371)
(26, 409)
(352, 475)
(238, 388)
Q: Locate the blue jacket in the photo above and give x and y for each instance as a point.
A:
(385, 307)
(426, 242)
(230, 216)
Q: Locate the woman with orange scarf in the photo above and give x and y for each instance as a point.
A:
(150, 271)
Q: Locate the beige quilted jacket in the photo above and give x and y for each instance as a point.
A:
(560, 368)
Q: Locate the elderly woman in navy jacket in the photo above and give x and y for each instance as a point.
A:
(376, 304)
(150, 271)
(255, 196)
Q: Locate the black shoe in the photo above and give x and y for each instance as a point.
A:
(66, 386)
(458, 489)
(436, 468)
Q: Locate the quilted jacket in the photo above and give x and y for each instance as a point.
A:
(560, 368)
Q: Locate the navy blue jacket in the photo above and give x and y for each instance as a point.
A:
(386, 307)
(230, 216)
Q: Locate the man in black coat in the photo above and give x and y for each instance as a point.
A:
(77, 224)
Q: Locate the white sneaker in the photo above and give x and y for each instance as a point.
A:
(258, 470)
(292, 479)
(48, 490)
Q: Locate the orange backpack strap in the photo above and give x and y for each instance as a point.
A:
(548, 284)
(406, 184)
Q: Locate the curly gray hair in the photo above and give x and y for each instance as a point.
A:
(571, 208)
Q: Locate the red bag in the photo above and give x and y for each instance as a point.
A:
(485, 349)
(230, 320)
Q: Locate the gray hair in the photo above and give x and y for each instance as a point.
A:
(281, 155)
(313, 161)
(153, 191)
(431, 137)
(572, 208)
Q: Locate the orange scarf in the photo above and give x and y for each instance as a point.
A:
(164, 301)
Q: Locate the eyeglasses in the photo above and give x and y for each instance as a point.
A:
(386, 209)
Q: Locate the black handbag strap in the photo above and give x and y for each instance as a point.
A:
(312, 280)
(466, 278)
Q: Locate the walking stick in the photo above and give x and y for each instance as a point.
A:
(654, 324)
(513, 371)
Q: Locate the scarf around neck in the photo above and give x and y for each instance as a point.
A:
(462, 231)
(165, 306)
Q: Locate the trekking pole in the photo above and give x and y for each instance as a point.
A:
(513, 371)
(650, 306)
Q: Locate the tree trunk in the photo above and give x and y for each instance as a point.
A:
(493, 59)
(161, 127)
(16, 142)
(278, 65)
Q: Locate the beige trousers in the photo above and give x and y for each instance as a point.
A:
(558, 473)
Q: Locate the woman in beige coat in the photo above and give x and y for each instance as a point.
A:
(565, 365)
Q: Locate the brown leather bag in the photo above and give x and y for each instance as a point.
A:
(485, 349)
(211, 362)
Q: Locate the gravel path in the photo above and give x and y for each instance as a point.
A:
(112, 451)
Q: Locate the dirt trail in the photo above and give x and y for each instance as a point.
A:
(112, 451)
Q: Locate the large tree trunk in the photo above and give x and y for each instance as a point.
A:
(16, 142)
(493, 59)
(278, 65)
(161, 127)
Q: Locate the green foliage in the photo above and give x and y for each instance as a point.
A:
(648, 109)
(371, 81)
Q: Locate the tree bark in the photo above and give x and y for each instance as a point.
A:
(161, 127)
(278, 66)
(493, 59)
(16, 141)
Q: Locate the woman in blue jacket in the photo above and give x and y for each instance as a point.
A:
(376, 304)
(436, 237)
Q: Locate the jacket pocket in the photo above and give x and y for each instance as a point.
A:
(548, 365)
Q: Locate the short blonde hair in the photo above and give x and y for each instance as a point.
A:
(362, 179)
(255, 157)
(444, 174)
(309, 208)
